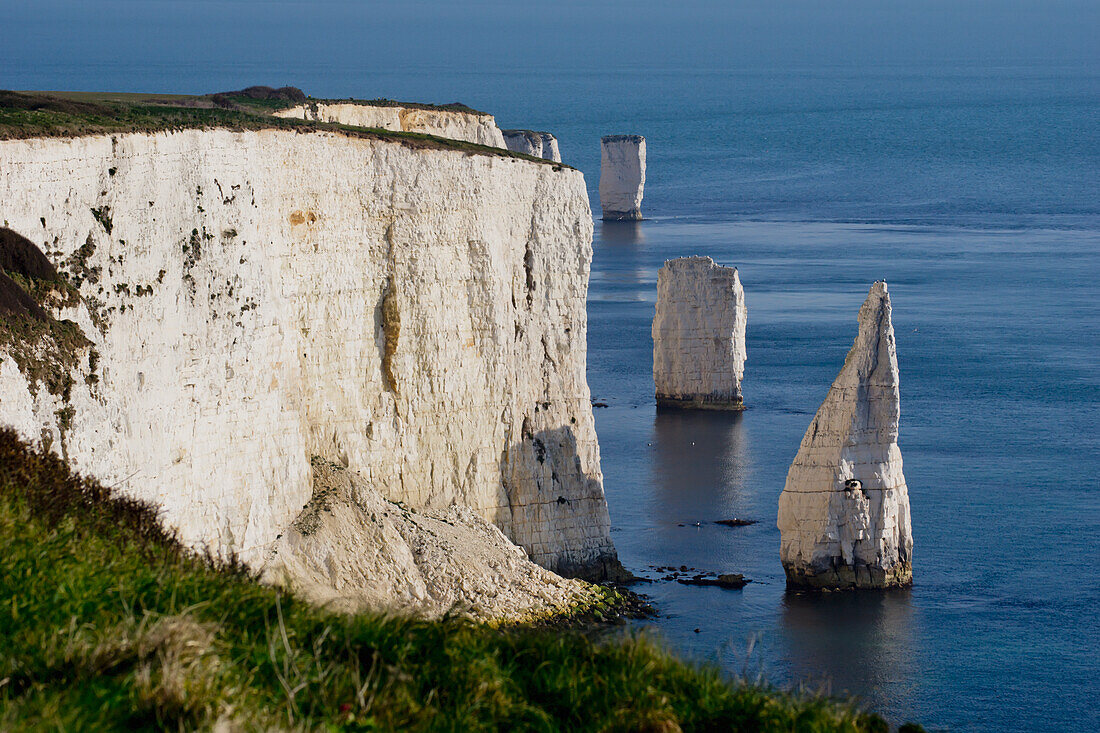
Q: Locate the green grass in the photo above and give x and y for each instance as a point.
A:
(106, 623)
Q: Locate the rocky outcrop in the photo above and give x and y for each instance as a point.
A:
(523, 141)
(550, 149)
(251, 300)
(538, 144)
(844, 511)
(622, 177)
(474, 127)
(699, 335)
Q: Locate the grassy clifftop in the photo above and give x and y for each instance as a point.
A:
(72, 114)
(106, 623)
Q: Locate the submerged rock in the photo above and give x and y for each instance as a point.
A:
(844, 511)
(699, 335)
(734, 581)
(622, 177)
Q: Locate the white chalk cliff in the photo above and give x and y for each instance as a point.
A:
(699, 335)
(844, 511)
(473, 127)
(256, 300)
(622, 176)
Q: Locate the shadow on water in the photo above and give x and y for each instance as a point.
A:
(862, 640)
(701, 464)
(621, 233)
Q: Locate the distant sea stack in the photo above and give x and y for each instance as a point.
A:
(550, 149)
(699, 335)
(523, 141)
(529, 142)
(622, 177)
(844, 511)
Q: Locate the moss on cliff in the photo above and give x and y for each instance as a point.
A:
(107, 623)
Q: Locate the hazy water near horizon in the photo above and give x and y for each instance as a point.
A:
(974, 190)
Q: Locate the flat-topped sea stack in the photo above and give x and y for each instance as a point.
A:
(699, 335)
(844, 512)
(622, 177)
(529, 142)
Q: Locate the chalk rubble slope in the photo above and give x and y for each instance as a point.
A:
(699, 335)
(836, 534)
(622, 176)
(352, 549)
(468, 126)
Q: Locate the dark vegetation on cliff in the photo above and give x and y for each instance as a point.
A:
(107, 623)
(45, 349)
(75, 114)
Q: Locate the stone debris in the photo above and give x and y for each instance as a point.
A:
(351, 549)
(699, 335)
(844, 511)
(622, 177)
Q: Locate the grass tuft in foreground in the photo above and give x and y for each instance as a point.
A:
(107, 623)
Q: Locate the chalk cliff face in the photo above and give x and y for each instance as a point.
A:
(844, 511)
(475, 128)
(622, 176)
(257, 299)
(699, 335)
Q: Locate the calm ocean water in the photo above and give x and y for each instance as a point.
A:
(976, 193)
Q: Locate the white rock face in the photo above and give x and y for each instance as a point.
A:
(475, 128)
(844, 512)
(550, 149)
(699, 335)
(269, 296)
(523, 141)
(351, 549)
(622, 176)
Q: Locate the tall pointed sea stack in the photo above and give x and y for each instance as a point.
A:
(622, 177)
(844, 512)
(699, 335)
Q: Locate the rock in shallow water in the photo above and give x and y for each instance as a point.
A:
(844, 511)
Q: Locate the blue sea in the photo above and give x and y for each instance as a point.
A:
(974, 190)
